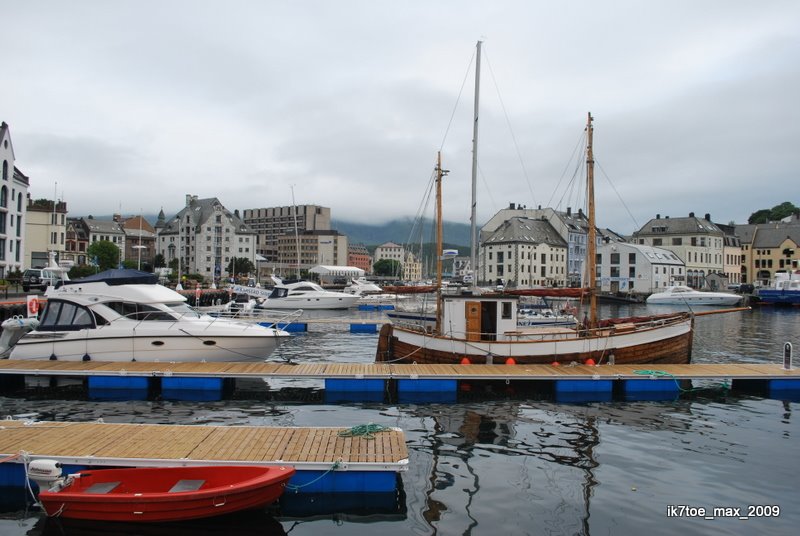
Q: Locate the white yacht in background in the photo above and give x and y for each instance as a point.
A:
(683, 295)
(124, 315)
(306, 295)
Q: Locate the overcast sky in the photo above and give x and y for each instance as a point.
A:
(130, 105)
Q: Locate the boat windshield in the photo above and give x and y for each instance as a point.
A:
(184, 309)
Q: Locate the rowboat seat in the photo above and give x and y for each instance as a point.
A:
(101, 487)
(187, 485)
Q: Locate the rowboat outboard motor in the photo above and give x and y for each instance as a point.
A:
(13, 330)
(46, 474)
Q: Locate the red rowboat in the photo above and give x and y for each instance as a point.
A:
(165, 493)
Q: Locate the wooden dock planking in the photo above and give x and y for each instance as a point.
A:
(389, 371)
(180, 443)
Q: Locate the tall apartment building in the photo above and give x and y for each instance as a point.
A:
(13, 193)
(270, 224)
(204, 236)
(327, 248)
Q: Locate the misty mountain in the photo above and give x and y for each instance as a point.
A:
(402, 231)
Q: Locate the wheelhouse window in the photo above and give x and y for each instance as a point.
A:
(140, 311)
(63, 316)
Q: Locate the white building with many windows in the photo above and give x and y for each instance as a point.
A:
(13, 195)
(524, 253)
(204, 236)
(637, 269)
(698, 242)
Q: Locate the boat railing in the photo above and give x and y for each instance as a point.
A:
(265, 317)
(269, 317)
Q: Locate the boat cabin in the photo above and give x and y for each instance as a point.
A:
(479, 318)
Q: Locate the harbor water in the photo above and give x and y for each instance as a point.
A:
(502, 461)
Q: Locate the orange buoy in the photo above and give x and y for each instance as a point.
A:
(589, 362)
(510, 361)
(465, 361)
(555, 363)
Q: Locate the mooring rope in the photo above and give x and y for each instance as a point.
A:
(297, 487)
(663, 374)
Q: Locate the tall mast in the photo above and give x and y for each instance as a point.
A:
(591, 250)
(473, 258)
(296, 233)
(439, 240)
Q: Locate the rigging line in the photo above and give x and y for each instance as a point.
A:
(511, 130)
(570, 187)
(572, 158)
(618, 194)
(423, 207)
(458, 99)
(488, 190)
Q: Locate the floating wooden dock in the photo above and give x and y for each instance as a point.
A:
(265, 370)
(404, 383)
(348, 462)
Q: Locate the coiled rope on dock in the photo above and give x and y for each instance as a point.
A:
(367, 431)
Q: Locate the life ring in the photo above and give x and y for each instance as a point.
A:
(33, 306)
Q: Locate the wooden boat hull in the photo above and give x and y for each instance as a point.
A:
(165, 493)
(661, 343)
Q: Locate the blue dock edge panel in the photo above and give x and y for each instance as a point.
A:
(363, 328)
(118, 382)
(427, 386)
(784, 385)
(640, 386)
(347, 385)
(583, 386)
(342, 481)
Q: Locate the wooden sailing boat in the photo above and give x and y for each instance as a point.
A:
(478, 328)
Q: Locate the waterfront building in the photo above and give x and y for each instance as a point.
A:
(203, 237)
(636, 268)
(270, 224)
(524, 253)
(768, 248)
(140, 241)
(77, 242)
(13, 194)
(108, 230)
(358, 256)
(390, 251)
(572, 227)
(698, 242)
(412, 268)
(327, 248)
(45, 232)
(732, 252)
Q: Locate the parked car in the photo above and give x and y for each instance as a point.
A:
(32, 278)
(746, 288)
(41, 278)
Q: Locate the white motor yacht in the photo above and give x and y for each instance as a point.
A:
(307, 295)
(124, 315)
(683, 295)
